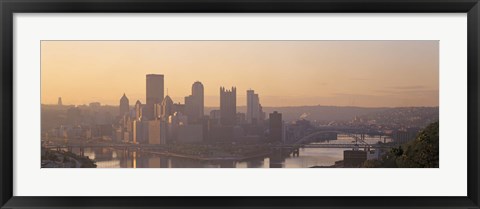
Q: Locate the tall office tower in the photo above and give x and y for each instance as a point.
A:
(190, 110)
(253, 107)
(275, 125)
(157, 111)
(194, 104)
(155, 129)
(154, 94)
(124, 105)
(262, 114)
(138, 109)
(198, 96)
(59, 101)
(167, 108)
(138, 132)
(228, 106)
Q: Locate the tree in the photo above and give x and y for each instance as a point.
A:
(423, 152)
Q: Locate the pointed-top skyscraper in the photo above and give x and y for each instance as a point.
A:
(167, 107)
(124, 105)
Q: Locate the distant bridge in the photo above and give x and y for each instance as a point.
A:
(104, 145)
(306, 142)
(351, 130)
(317, 134)
(314, 136)
(82, 146)
(293, 146)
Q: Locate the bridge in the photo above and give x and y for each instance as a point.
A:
(102, 145)
(318, 134)
(306, 142)
(350, 130)
(346, 145)
(303, 142)
(82, 146)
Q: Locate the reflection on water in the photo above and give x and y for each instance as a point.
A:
(115, 158)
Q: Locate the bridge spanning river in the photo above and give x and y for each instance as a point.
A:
(164, 147)
(102, 145)
(306, 141)
(316, 139)
(346, 146)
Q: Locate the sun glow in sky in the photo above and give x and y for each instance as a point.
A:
(283, 73)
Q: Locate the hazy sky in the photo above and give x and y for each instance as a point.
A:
(283, 73)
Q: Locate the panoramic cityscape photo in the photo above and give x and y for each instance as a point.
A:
(240, 104)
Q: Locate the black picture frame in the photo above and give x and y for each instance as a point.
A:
(9, 7)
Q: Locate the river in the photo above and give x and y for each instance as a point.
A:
(112, 158)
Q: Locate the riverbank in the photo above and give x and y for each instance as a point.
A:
(209, 158)
(63, 159)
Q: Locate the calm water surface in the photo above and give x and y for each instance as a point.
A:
(112, 158)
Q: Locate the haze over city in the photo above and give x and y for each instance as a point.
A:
(283, 73)
(240, 104)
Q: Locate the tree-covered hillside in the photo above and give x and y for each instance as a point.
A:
(423, 152)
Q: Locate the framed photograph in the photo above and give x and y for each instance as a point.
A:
(239, 104)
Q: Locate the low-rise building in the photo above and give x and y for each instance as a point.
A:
(354, 158)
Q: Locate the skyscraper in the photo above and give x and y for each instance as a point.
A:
(167, 108)
(190, 108)
(138, 109)
(275, 125)
(228, 106)
(194, 104)
(124, 105)
(157, 111)
(253, 107)
(198, 96)
(155, 93)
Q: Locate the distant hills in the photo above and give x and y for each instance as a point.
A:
(334, 113)
(328, 113)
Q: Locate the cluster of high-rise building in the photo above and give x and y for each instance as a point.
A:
(161, 121)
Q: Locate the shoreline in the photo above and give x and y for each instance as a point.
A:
(193, 157)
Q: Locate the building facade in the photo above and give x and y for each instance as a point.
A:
(275, 126)
(253, 107)
(194, 104)
(167, 108)
(138, 110)
(198, 97)
(124, 106)
(155, 94)
(190, 108)
(228, 106)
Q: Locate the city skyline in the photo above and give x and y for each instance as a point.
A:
(410, 77)
(169, 127)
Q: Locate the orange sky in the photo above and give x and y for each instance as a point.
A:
(283, 73)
